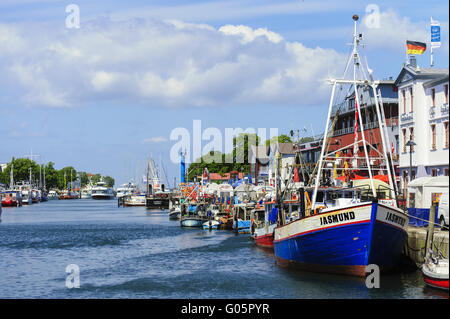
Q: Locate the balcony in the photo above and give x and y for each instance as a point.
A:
(432, 111)
(393, 121)
(349, 130)
(407, 117)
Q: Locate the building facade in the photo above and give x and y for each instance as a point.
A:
(424, 120)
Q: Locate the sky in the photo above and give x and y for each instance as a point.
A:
(107, 95)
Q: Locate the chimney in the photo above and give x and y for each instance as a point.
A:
(413, 61)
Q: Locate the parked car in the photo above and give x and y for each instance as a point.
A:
(443, 210)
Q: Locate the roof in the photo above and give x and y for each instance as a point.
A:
(409, 72)
(428, 181)
(435, 82)
(286, 148)
(218, 177)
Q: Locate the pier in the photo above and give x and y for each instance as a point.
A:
(415, 246)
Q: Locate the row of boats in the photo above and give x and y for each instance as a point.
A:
(326, 223)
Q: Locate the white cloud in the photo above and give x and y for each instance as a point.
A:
(248, 34)
(158, 139)
(394, 30)
(163, 63)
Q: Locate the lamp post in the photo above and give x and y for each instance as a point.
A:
(410, 144)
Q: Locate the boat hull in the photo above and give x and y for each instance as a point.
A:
(264, 241)
(192, 222)
(175, 215)
(211, 224)
(242, 226)
(102, 197)
(157, 203)
(344, 240)
(11, 203)
(436, 279)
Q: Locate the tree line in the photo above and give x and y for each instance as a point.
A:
(237, 160)
(54, 178)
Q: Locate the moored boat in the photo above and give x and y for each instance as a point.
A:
(102, 191)
(338, 233)
(242, 217)
(11, 198)
(435, 273)
(263, 225)
(211, 224)
(134, 200)
(192, 215)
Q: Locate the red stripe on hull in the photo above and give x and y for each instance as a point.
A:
(437, 283)
(265, 241)
(9, 203)
(355, 270)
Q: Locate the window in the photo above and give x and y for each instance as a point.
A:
(445, 171)
(404, 101)
(411, 96)
(433, 96)
(433, 137)
(411, 137)
(404, 140)
(413, 174)
(446, 134)
(434, 172)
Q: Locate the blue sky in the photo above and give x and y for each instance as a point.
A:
(106, 95)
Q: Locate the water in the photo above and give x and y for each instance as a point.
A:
(130, 252)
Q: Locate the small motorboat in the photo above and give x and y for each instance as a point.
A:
(11, 198)
(435, 272)
(211, 224)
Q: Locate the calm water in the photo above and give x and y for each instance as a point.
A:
(130, 252)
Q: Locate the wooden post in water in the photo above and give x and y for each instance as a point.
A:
(430, 231)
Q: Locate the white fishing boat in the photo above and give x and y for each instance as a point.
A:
(52, 195)
(134, 200)
(86, 193)
(126, 189)
(102, 191)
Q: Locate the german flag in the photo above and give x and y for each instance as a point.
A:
(413, 47)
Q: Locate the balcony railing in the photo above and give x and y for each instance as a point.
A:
(393, 121)
(444, 108)
(349, 130)
(407, 117)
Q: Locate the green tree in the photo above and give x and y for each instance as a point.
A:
(109, 181)
(51, 176)
(281, 139)
(65, 175)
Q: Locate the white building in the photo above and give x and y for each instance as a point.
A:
(424, 119)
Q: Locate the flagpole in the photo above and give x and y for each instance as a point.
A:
(431, 45)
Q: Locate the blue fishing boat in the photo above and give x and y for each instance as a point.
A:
(345, 228)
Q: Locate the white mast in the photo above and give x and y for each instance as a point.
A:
(11, 177)
(356, 83)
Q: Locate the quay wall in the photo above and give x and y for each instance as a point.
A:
(415, 246)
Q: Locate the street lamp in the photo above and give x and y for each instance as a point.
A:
(410, 144)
